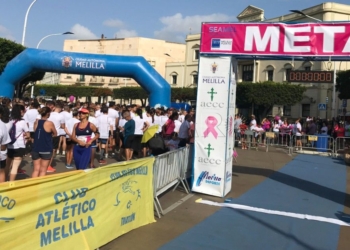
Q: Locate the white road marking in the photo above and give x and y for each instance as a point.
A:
(267, 211)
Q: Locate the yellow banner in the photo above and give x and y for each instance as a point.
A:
(76, 210)
(312, 138)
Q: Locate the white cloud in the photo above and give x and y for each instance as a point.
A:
(115, 23)
(177, 26)
(5, 33)
(125, 33)
(81, 32)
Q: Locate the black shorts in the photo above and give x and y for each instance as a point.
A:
(41, 155)
(102, 141)
(32, 135)
(55, 142)
(70, 142)
(128, 143)
(136, 144)
(298, 137)
(115, 132)
(2, 164)
(121, 137)
(18, 152)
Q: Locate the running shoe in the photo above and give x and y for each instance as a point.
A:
(50, 170)
(69, 166)
(102, 161)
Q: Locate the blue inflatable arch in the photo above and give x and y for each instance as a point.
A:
(136, 67)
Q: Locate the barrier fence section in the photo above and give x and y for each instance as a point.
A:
(313, 143)
(264, 140)
(341, 144)
(169, 170)
(77, 209)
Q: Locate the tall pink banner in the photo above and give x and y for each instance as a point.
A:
(301, 39)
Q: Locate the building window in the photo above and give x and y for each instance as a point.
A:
(270, 75)
(174, 79)
(288, 67)
(82, 78)
(196, 54)
(287, 110)
(305, 110)
(247, 73)
(287, 72)
(195, 79)
(68, 77)
(307, 65)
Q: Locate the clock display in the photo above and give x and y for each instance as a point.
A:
(310, 76)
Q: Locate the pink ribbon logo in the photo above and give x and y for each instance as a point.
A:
(211, 122)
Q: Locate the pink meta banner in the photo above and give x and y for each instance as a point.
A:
(298, 39)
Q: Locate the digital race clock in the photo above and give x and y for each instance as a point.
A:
(310, 76)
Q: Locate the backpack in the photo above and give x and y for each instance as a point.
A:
(12, 133)
(157, 145)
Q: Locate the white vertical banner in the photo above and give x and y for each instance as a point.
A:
(230, 128)
(213, 127)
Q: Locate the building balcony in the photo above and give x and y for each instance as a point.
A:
(97, 81)
(113, 81)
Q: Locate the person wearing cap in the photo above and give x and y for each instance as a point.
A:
(83, 136)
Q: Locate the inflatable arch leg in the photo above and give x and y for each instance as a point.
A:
(136, 67)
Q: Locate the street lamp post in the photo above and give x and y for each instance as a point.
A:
(335, 69)
(57, 34)
(37, 46)
(25, 22)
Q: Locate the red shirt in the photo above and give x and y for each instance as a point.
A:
(340, 132)
(170, 126)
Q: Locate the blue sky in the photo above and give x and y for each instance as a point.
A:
(171, 20)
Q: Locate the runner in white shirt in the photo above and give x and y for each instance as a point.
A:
(297, 131)
(114, 114)
(17, 150)
(105, 127)
(70, 144)
(97, 110)
(58, 120)
(140, 126)
(4, 140)
(67, 115)
(30, 118)
(92, 119)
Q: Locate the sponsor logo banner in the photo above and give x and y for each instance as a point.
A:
(298, 39)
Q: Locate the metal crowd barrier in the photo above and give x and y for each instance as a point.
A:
(279, 140)
(314, 144)
(341, 143)
(169, 170)
(254, 140)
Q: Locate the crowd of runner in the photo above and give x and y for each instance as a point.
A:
(42, 129)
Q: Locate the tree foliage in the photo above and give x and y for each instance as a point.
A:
(8, 51)
(66, 91)
(343, 84)
(264, 95)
